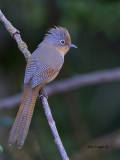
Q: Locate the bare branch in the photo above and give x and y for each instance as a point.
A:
(53, 128)
(16, 35)
(11, 102)
(76, 82)
(23, 47)
(83, 80)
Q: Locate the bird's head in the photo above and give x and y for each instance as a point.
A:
(60, 38)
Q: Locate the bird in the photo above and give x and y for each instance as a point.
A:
(42, 67)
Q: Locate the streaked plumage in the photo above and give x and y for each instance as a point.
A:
(38, 66)
(42, 67)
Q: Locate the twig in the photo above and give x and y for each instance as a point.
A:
(11, 102)
(16, 35)
(23, 47)
(83, 80)
(53, 127)
(79, 81)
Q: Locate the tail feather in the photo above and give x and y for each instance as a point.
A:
(16, 126)
(26, 119)
(21, 125)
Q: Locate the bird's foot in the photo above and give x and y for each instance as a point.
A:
(43, 93)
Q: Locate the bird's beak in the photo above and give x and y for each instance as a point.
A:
(72, 45)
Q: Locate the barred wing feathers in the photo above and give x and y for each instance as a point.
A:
(41, 70)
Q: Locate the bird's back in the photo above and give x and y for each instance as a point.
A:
(47, 55)
(43, 66)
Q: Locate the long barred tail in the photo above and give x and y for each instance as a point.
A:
(21, 125)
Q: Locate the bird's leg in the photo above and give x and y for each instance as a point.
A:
(43, 93)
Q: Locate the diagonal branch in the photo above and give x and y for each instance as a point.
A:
(23, 47)
(79, 81)
(16, 35)
(84, 80)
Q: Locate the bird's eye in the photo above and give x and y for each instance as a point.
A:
(62, 41)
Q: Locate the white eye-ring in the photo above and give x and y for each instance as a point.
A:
(62, 42)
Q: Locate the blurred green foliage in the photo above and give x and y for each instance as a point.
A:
(80, 115)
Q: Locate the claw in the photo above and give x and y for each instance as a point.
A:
(43, 93)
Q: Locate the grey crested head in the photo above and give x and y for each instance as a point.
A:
(60, 37)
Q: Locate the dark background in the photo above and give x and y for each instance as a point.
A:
(81, 115)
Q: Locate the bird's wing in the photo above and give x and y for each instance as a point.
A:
(30, 70)
(42, 75)
(37, 73)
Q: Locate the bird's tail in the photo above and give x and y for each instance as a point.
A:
(21, 125)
